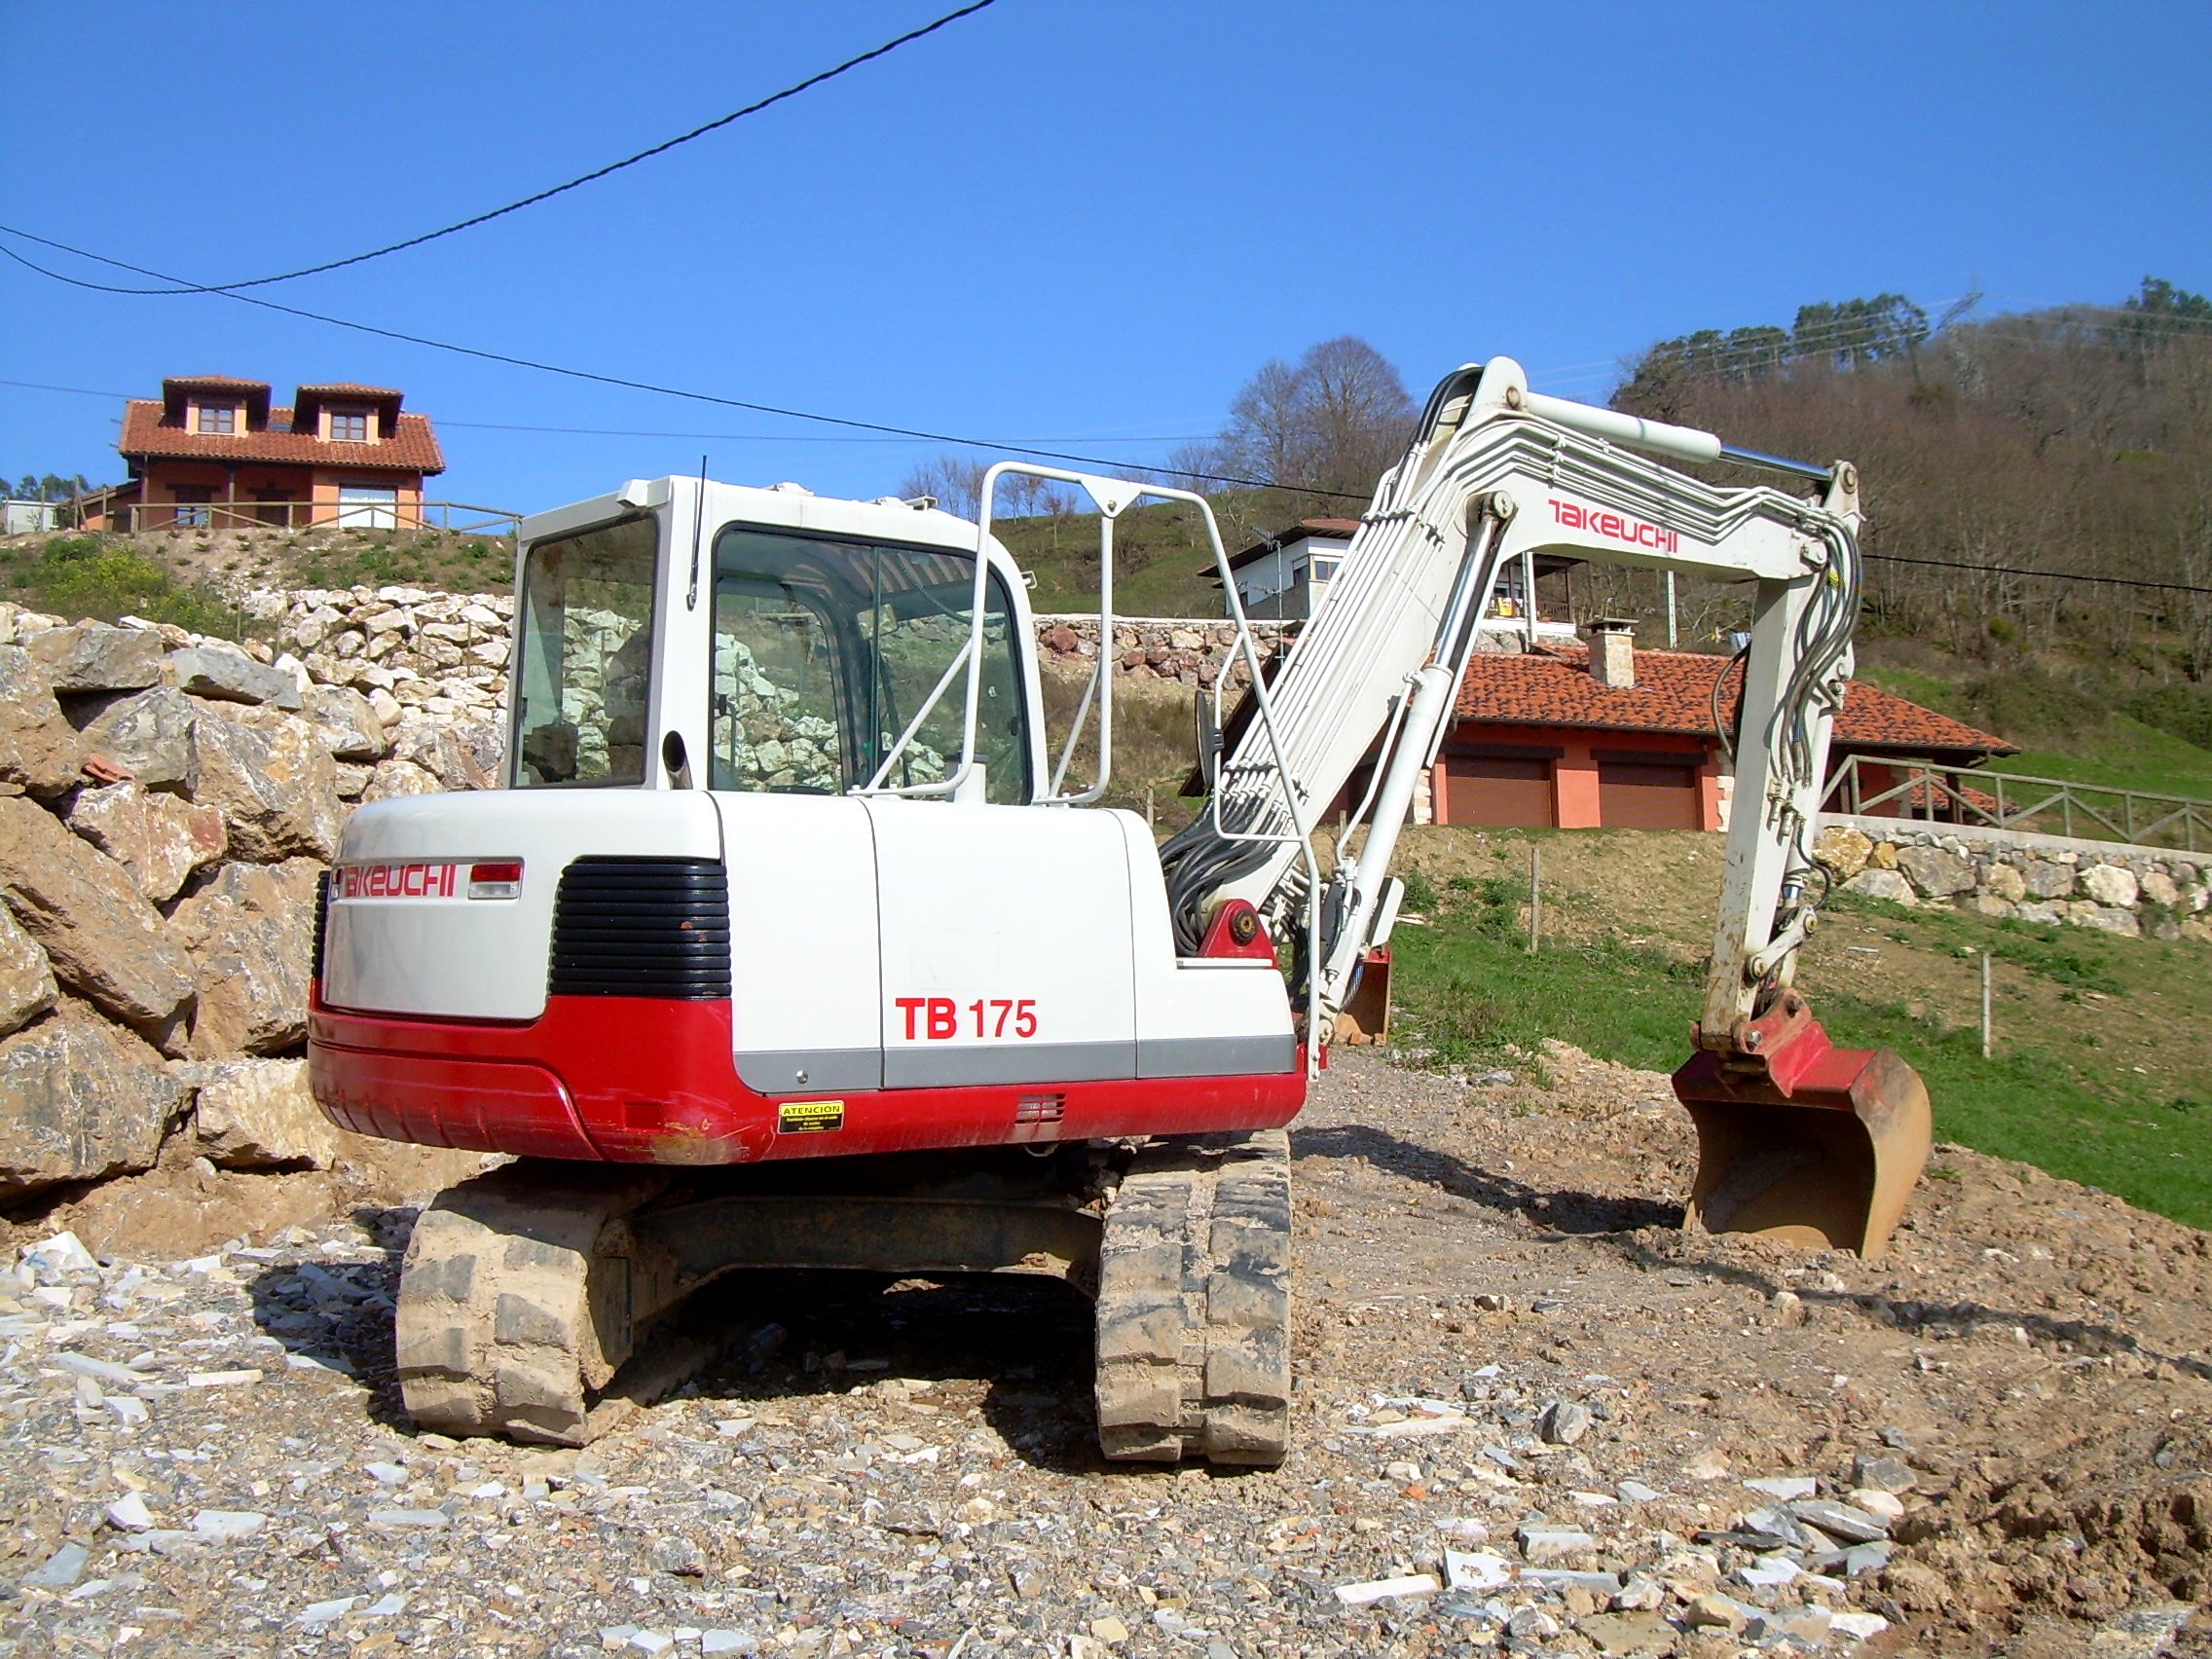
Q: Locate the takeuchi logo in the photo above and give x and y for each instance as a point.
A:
(1614, 528)
(427, 880)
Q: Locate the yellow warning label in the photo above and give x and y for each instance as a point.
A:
(809, 1116)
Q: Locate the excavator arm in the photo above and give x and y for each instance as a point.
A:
(1797, 1138)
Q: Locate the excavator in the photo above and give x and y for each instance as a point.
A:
(795, 940)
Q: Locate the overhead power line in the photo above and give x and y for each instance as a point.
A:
(2043, 576)
(581, 180)
(710, 437)
(596, 377)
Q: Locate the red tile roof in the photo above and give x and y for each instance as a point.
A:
(413, 446)
(348, 389)
(1674, 694)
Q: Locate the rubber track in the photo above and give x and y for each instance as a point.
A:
(1194, 1304)
(516, 1298)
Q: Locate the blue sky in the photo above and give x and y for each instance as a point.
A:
(1082, 223)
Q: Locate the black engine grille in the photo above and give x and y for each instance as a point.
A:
(632, 927)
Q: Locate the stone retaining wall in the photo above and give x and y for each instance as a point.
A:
(168, 803)
(1184, 649)
(2122, 890)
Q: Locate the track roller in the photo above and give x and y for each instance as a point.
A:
(1194, 1304)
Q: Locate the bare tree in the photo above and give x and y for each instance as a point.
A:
(1330, 423)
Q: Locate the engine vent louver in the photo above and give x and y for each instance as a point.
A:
(642, 927)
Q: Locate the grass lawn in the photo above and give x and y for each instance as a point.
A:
(2102, 1072)
(2131, 756)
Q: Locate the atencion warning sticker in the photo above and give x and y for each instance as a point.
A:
(809, 1116)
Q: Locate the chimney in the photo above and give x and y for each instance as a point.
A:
(1612, 652)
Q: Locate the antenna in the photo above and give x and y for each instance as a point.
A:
(698, 523)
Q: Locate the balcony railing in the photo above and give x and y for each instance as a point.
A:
(2015, 800)
(459, 517)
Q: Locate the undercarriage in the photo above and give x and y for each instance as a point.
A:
(527, 1290)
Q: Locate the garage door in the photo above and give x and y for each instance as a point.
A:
(1648, 795)
(1497, 791)
(366, 506)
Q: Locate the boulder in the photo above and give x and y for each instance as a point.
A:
(353, 780)
(233, 676)
(1883, 856)
(258, 1115)
(433, 745)
(105, 941)
(2108, 918)
(396, 778)
(38, 749)
(347, 723)
(275, 786)
(80, 1101)
(2042, 911)
(2158, 888)
(2111, 885)
(151, 735)
(97, 656)
(159, 839)
(26, 977)
(1933, 873)
(2003, 881)
(251, 932)
(1843, 848)
(1882, 884)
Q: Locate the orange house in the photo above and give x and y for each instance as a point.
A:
(1602, 736)
(211, 452)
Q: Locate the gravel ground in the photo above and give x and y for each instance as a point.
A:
(1532, 1417)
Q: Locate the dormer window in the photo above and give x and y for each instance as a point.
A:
(219, 420)
(348, 425)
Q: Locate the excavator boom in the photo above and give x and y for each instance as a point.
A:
(1496, 475)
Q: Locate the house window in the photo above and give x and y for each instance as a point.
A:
(350, 426)
(192, 503)
(220, 419)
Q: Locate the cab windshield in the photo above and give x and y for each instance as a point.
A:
(824, 650)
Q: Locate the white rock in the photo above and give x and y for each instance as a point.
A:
(1476, 1569)
(63, 1253)
(324, 1612)
(129, 1514)
(221, 1525)
(1785, 1486)
(1384, 1589)
(1863, 1627)
(1541, 1544)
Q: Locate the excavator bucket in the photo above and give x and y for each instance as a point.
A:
(1805, 1142)
(1365, 1016)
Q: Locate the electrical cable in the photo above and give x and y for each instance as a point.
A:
(515, 361)
(596, 174)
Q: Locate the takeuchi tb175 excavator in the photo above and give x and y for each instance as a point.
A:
(791, 941)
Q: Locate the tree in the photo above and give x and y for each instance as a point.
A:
(1335, 421)
(51, 488)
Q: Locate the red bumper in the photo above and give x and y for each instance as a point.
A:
(633, 1080)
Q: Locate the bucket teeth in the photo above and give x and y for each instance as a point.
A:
(1194, 1304)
